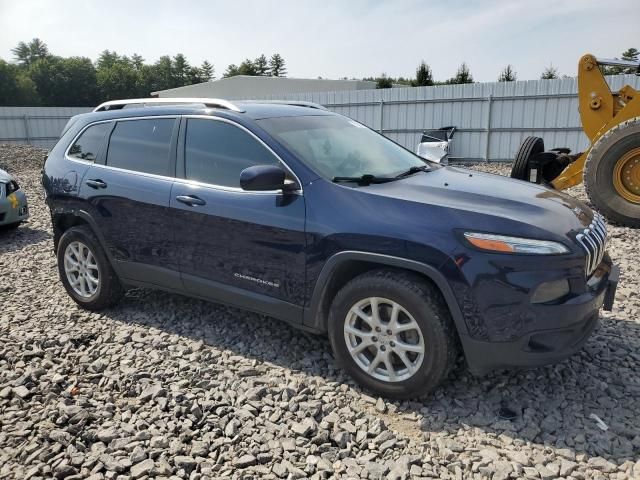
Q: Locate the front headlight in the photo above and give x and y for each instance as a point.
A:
(505, 244)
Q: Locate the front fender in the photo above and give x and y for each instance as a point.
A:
(314, 315)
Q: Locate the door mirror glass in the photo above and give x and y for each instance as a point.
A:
(264, 178)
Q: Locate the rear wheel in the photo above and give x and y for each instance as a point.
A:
(392, 332)
(612, 174)
(85, 270)
(530, 146)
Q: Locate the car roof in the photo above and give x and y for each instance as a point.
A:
(254, 110)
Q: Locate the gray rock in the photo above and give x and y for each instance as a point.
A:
(60, 436)
(544, 472)
(21, 391)
(602, 464)
(138, 455)
(567, 467)
(199, 448)
(245, 461)
(304, 428)
(112, 464)
(107, 434)
(279, 470)
(502, 470)
(150, 392)
(141, 469)
(185, 462)
(341, 438)
(159, 442)
(232, 428)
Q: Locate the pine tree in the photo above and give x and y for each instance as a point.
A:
(424, 77)
(247, 68)
(137, 61)
(181, 69)
(383, 81)
(277, 66)
(549, 73)
(25, 54)
(507, 74)
(22, 53)
(232, 71)
(631, 54)
(261, 65)
(107, 59)
(206, 71)
(463, 75)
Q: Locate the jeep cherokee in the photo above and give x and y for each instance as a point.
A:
(305, 215)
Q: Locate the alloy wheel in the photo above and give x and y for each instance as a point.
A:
(384, 339)
(81, 269)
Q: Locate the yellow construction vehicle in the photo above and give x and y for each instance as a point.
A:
(610, 167)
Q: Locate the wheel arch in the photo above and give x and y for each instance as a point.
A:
(344, 266)
(64, 219)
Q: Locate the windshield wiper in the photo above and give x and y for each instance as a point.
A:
(368, 179)
(412, 170)
(365, 179)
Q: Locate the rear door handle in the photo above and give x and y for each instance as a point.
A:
(190, 200)
(96, 183)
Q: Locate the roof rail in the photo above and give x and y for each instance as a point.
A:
(296, 103)
(143, 102)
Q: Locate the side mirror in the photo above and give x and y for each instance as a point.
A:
(261, 178)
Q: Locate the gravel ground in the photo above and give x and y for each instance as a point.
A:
(166, 386)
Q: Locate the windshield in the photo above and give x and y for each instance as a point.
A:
(336, 146)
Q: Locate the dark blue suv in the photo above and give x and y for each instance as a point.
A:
(292, 211)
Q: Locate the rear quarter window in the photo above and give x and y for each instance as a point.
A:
(88, 143)
(142, 146)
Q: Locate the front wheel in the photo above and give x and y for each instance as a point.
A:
(392, 332)
(85, 270)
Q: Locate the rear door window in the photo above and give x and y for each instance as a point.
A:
(142, 146)
(88, 143)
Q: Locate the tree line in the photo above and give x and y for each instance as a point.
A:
(37, 77)
(424, 74)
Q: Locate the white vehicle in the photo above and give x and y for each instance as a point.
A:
(434, 145)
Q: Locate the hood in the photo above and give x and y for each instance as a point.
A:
(485, 194)
(4, 176)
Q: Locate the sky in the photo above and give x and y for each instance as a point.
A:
(335, 38)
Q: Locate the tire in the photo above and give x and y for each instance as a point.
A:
(422, 303)
(599, 172)
(530, 146)
(107, 291)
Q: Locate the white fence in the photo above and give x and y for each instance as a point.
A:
(39, 126)
(492, 118)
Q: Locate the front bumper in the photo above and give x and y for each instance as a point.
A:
(576, 319)
(14, 209)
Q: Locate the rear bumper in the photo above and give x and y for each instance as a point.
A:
(578, 320)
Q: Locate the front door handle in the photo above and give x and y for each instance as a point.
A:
(190, 200)
(96, 183)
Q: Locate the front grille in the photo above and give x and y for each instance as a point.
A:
(593, 240)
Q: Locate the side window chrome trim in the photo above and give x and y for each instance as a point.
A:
(134, 172)
(299, 191)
